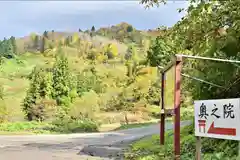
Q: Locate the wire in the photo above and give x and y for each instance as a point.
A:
(201, 80)
(207, 58)
(198, 79)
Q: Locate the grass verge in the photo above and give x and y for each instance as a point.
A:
(134, 125)
(213, 149)
(56, 127)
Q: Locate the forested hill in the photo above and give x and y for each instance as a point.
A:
(78, 79)
(122, 33)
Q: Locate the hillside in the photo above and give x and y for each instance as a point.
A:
(121, 34)
(27, 43)
(126, 33)
(104, 81)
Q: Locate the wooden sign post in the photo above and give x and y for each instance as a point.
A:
(174, 111)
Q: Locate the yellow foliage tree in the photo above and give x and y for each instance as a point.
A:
(111, 51)
(76, 38)
(101, 57)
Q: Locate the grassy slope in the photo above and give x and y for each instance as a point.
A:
(13, 78)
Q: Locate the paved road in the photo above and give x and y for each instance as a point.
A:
(73, 146)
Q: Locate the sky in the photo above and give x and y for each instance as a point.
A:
(20, 18)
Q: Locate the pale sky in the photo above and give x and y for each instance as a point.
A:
(19, 18)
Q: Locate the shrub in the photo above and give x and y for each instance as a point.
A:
(68, 125)
(85, 107)
(88, 80)
(37, 127)
(44, 109)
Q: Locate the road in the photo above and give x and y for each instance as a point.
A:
(90, 146)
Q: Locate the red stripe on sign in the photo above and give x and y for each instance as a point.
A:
(222, 131)
(201, 121)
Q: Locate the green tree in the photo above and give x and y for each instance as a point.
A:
(63, 82)
(132, 62)
(45, 34)
(159, 53)
(129, 28)
(93, 29)
(209, 29)
(43, 42)
(40, 88)
(14, 45)
(8, 49)
(92, 33)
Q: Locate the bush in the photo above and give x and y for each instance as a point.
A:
(87, 81)
(34, 127)
(85, 107)
(68, 125)
(44, 109)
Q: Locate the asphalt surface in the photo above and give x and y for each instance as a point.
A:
(91, 146)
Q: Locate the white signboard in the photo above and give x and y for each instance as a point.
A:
(218, 118)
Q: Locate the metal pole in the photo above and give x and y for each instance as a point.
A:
(162, 122)
(207, 58)
(177, 101)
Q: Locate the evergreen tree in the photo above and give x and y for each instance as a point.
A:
(92, 33)
(129, 28)
(32, 94)
(8, 49)
(3, 47)
(53, 35)
(43, 41)
(45, 34)
(40, 89)
(14, 45)
(42, 44)
(93, 29)
(62, 80)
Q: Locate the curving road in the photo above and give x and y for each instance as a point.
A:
(91, 146)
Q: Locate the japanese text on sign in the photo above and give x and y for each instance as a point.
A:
(217, 118)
